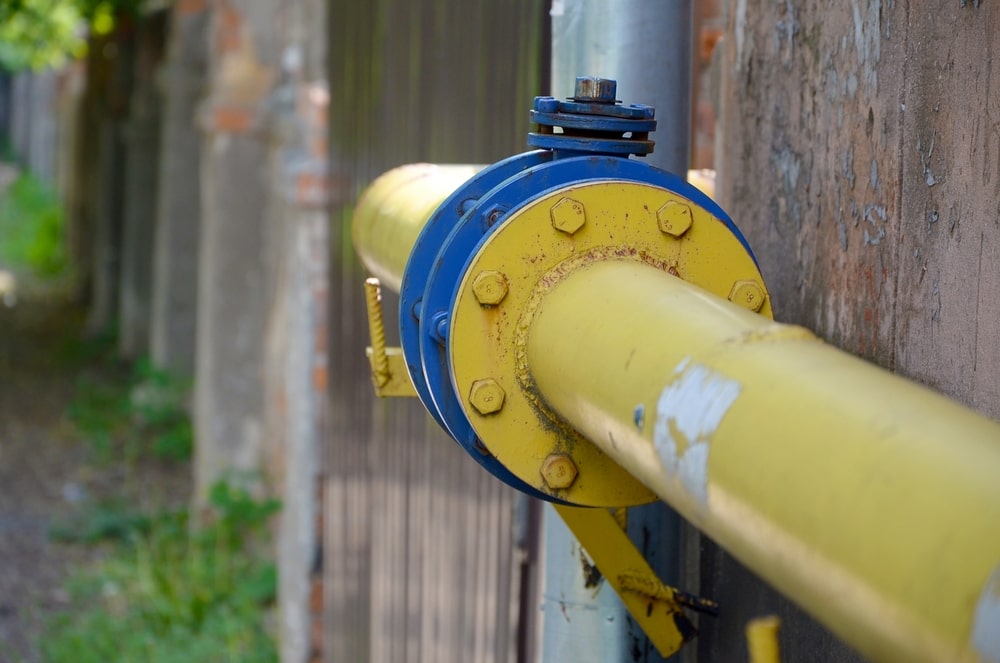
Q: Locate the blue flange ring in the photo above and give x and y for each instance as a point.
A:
(425, 252)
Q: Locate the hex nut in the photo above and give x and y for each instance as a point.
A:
(559, 471)
(486, 396)
(748, 294)
(491, 215)
(568, 215)
(594, 88)
(674, 218)
(489, 287)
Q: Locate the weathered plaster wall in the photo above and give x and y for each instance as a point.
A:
(862, 159)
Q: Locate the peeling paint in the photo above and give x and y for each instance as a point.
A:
(875, 214)
(868, 39)
(786, 30)
(831, 82)
(986, 621)
(925, 160)
(851, 88)
(789, 165)
(847, 165)
(639, 416)
(932, 218)
(741, 31)
(688, 413)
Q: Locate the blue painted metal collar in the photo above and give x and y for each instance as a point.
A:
(592, 127)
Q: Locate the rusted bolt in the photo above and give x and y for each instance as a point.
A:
(559, 471)
(595, 89)
(489, 287)
(486, 396)
(568, 215)
(491, 215)
(747, 294)
(674, 218)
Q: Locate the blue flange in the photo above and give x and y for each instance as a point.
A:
(444, 263)
(425, 251)
(593, 131)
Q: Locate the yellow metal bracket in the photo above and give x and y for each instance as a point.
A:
(656, 608)
(389, 372)
(762, 640)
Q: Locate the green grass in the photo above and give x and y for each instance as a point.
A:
(32, 228)
(172, 593)
(105, 520)
(170, 586)
(142, 416)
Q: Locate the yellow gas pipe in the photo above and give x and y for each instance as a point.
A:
(393, 210)
(872, 502)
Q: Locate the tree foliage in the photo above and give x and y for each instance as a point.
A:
(44, 33)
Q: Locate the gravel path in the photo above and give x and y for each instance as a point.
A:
(49, 475)
(40, 471)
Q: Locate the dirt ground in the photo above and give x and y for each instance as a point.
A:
(40, 465)
(48, 474)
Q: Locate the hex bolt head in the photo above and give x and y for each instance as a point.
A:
(546, 104)
(747, 294)
(568, 215)
(593, 88)
(674, 218)
(489, 287)
(486, 396)
(559, 471)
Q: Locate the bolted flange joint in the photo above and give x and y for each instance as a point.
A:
(490, 288)
(486, 396)
(747, 294)
(559, 471)
(674, 218)
(568, 215)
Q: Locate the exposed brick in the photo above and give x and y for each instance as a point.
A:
(320, 378)
(230, 119)
(311, 189)
(190, 7)
(709, 37)
(316, 633)
(228, 29)
(316, 596)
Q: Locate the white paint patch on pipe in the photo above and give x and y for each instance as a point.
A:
(986, 621)
(688, 413)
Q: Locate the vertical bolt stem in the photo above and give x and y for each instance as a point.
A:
(380, 362)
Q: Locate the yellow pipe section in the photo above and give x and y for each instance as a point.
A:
(394, 209)
(872, 502)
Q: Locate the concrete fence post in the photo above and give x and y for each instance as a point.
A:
(235, 274)
(173, 321)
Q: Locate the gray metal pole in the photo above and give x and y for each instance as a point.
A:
(582, 615)
(646, 45)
